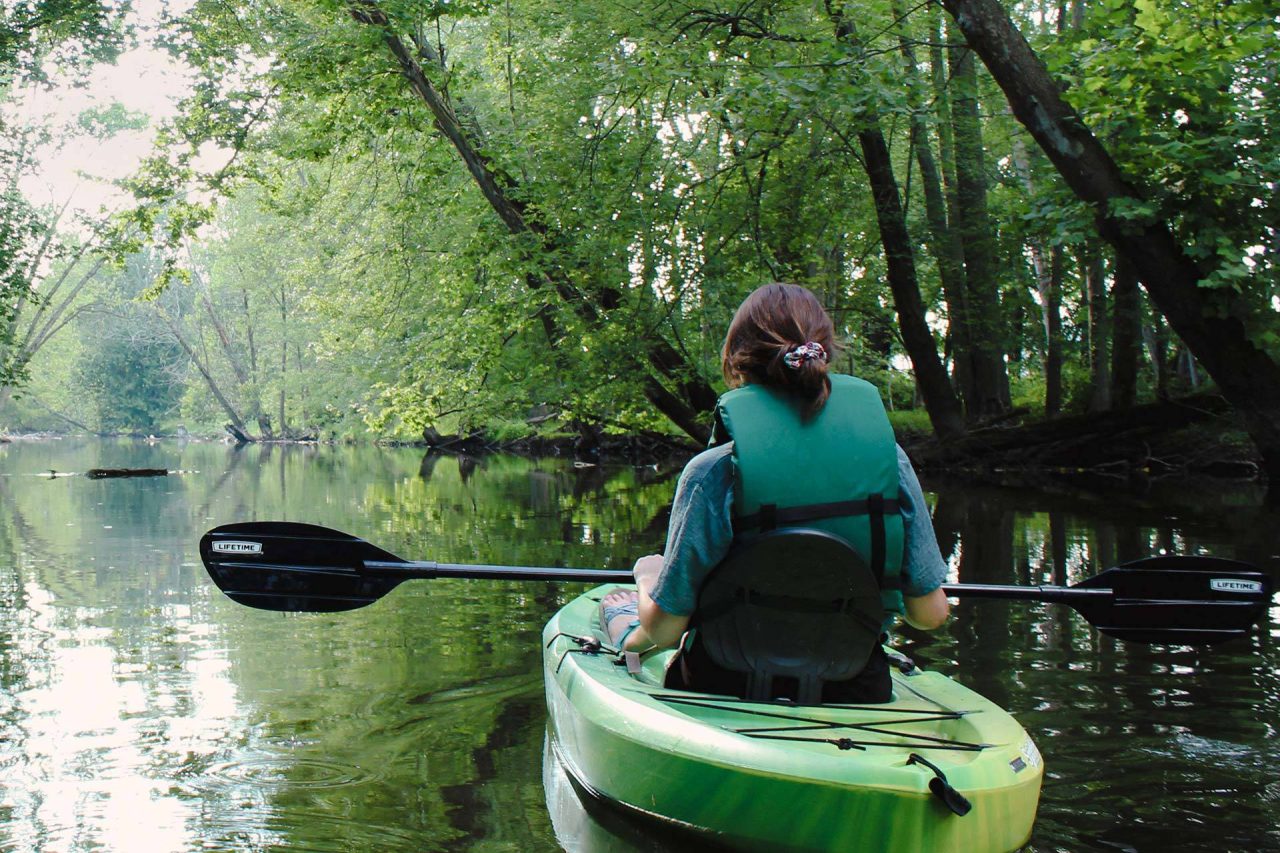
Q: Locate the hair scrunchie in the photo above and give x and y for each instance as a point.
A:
(807, 351)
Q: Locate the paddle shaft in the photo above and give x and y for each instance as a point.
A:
(431, 569)
(1050, 594)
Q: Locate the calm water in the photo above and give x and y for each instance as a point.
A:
(140, 710)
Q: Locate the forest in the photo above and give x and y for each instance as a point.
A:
(402, 220)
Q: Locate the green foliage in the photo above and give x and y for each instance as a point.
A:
(64, 34)
(130, 383)
(103, 122)
(1197, 122)
(910, 423)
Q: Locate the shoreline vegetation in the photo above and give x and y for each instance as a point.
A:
(1191, 437)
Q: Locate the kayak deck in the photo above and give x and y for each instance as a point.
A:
(780, 776)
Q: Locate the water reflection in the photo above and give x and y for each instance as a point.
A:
(141, 710)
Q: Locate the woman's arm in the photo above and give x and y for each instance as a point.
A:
(698, 536)
(923, 566)
(657, 627)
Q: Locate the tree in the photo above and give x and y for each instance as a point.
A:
(129, 379)
(671, 384)
(37, 35)
(989, 390)
(49, 297)
(50, 257)
(1246, 373)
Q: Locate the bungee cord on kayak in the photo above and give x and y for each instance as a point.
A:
(813, 724)
(845, 743)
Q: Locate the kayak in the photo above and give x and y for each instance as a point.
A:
(781, 776)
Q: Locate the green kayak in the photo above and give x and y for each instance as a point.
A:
(779, 776)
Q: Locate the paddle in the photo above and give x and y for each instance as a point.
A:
(280, 565)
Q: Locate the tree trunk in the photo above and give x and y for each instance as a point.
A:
(939, 399)
(1187, 367)
(284, 356)
(236, 419)
(977, 237)
(1051, 310)
(1247, 376)
(1156, 338)
(1126, 336)
(961, 337)
(1095, 295)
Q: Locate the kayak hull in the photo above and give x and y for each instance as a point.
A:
(777, 776)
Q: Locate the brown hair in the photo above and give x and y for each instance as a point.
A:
(772, 321)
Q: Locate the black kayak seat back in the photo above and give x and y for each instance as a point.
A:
(794, 603)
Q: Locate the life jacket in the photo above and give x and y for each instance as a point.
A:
(837, 471)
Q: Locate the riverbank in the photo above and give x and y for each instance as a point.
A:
(1192, 437)
(1189, 438)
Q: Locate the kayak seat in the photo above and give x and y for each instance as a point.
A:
(789, 614)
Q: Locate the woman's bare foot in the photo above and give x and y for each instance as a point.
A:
(618, 609)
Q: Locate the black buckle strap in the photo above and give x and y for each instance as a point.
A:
(771, 516)
(875, 513)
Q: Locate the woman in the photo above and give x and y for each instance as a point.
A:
(777, 352)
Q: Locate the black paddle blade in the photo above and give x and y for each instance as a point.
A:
(281, 565)
(1194, 600)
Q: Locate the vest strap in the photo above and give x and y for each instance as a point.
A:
(771, 516)
(875, 515)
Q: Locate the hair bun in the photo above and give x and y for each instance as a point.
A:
(796, 357)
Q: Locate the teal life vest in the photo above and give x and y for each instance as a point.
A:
(837, 471)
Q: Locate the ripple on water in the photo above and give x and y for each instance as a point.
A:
(247, 805)
(304, 831)
(286, 771)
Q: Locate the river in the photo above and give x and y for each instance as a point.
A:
(141, 710)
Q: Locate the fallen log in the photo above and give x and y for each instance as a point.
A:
(102, 473)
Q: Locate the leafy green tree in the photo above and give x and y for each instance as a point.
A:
(51, 258)
(130, 381)
(37, 36)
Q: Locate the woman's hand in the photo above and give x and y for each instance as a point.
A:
(647, 570)
(928, 611)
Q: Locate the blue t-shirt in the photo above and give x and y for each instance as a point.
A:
(701, 531)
